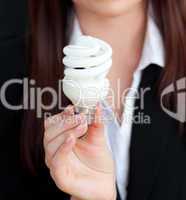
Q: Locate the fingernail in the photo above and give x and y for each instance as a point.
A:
(69, 109)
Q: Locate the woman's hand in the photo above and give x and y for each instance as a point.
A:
(78, 157)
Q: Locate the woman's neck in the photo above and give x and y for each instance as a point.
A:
(125, 33)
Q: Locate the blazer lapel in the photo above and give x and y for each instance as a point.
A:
(148, 142)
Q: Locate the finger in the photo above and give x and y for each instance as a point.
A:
(63, 151)
(69, 110)
(52, 147)
(98, 120)
(50, 121)
(64, 125)
(96, 129)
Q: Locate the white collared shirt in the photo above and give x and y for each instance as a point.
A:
(119, 136)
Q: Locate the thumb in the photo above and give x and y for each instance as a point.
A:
(95, 133)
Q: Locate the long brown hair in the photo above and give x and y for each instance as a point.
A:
(48, 23)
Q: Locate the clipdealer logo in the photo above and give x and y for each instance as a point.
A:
(33, 95)
(180, 89)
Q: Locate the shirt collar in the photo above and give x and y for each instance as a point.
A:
(76, 31)
(153, 50)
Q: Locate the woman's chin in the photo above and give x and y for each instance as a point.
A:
(109, 8)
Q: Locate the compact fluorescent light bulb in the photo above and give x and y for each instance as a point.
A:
(87, 63)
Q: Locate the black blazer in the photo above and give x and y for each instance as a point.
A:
(157, 153)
